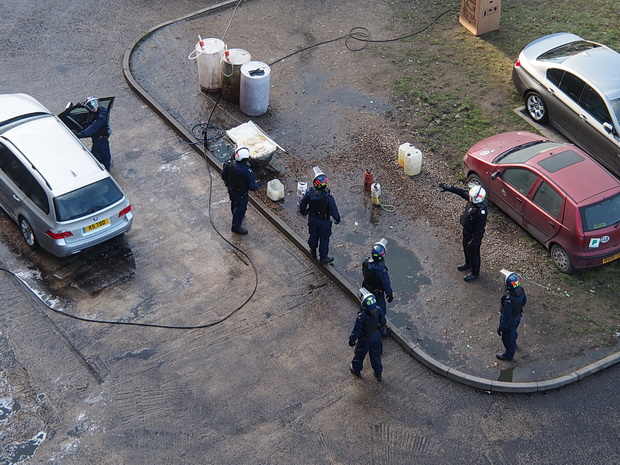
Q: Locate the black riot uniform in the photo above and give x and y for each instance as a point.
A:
(473, 220)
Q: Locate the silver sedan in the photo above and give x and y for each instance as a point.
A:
(574, 84)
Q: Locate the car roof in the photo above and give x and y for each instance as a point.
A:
(600, 65)
(15, 105)
(579, 176)
(59, 157)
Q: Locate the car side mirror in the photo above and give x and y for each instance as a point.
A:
(608, 128)
(68, 106)
(495, 175)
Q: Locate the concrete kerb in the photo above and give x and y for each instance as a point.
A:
(330, 271)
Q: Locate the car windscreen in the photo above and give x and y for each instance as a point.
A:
(601, 214)
(615, 106)
(87, 200)
(524, 152)
(562, 52)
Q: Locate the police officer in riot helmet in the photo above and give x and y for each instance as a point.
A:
(512, 303)
(473, 220)
(239, 178)
(375, 273)
(366, 336)
(320, 206)
(98, 130)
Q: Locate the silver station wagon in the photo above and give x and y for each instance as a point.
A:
(574, 84)
(61, 197)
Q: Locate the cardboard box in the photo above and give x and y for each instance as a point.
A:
(480, 16)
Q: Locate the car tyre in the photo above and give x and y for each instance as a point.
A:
(28, 233)
(536, 107)
(561, 259)
(474, 179)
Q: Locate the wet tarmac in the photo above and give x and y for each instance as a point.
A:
(270, 384)
(315, 117)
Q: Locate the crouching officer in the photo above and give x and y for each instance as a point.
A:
(474, 220)
(376, 277)
(512, 303)
(320, 207)
(98, 130)
(366, 335)
(239, 178)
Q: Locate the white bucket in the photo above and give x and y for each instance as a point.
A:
(413, 162)
(302, 188)
(275, 190)
(208, 54)
(254, 88)
(232, 60)
(402, 152)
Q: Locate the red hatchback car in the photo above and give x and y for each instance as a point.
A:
(555, 191)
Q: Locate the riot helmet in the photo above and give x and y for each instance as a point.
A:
(92, 104)
(242, 153)
(320, 182)
(369, 303)
(379, 250)
(477, 194)
(367, 298)
(512, 282)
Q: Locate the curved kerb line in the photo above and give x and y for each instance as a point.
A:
(413, 349)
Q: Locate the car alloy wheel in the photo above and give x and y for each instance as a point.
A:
(474, 179)
(561, 259)
(28, 233)
(536, 107)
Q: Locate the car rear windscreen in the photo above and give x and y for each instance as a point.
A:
(87, 200)
(567, 50)
(601, 214)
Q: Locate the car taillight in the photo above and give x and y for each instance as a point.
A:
(518, 63)
(58, 235)
(124, 211)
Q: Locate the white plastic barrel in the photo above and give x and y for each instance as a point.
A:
(232, 60)
(254, 88)
(402, 152)
(275, 190)
(208, 54)
(413, 162)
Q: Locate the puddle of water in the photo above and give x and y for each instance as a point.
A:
(7, 410)
(18, 452)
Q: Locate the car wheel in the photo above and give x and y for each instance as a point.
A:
(474, 179)
(536, 108)
(561, 259)
(28, 233)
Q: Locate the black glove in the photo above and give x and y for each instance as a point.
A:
(336, 221)
(390, 298)
(351, 342)
(499, 331)
(443, 187)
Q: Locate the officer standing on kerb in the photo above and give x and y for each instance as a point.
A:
(366, 336)
(239, 178)
(320, 206)
(512, 303)
(99, 131)
(375, 273)
(474, 220)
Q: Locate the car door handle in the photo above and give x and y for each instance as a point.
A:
(519, 199)
(551, 223)
(16, 198)
(550, 90)
(583, 117)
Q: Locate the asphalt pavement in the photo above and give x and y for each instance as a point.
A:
(179, 108)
